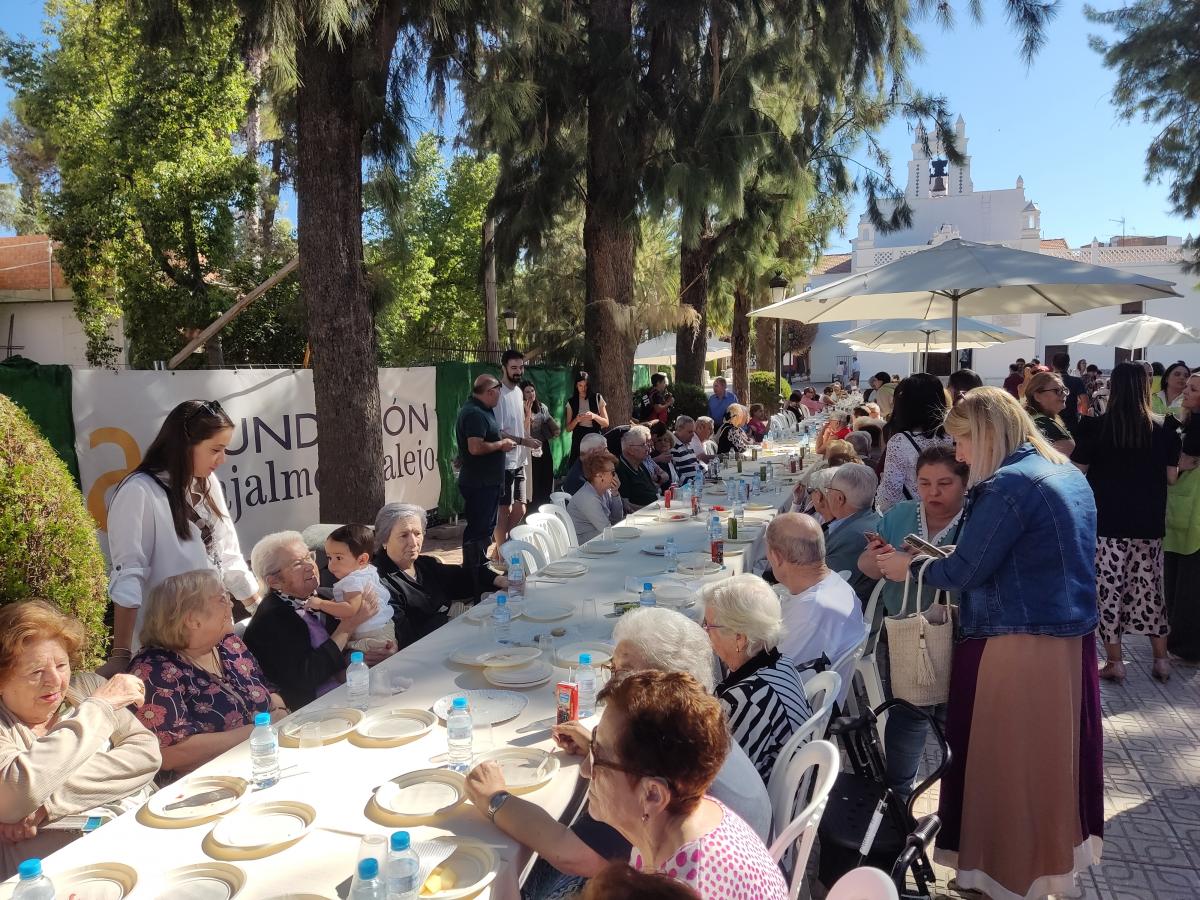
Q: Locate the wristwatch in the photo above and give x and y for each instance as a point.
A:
(498, 800)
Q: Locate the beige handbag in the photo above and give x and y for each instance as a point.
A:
(921, 647)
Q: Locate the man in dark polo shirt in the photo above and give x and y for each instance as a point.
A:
(481, 452)
(637, 487)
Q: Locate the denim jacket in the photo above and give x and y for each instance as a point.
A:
(1025, 561)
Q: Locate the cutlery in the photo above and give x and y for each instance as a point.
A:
(202, 799)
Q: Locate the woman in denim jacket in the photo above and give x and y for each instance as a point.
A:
(1022, 803)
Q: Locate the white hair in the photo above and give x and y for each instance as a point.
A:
(638, 434)
(707, 420)
(857, 482)
(264, 558)
(392, 513)
(745, 604)
(592, 442)
(668, 641)
(683, 422)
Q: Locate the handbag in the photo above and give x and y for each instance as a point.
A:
(921, 646)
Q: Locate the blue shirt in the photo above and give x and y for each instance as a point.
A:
(718, 405)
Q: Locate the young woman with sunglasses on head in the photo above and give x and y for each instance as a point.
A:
(169, 516)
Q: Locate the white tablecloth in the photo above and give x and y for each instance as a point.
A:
(339, 779)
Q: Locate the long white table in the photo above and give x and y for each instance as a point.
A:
(339, 779)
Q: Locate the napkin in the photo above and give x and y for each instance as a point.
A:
(431, 854)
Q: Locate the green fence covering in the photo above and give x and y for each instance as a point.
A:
(44, 392)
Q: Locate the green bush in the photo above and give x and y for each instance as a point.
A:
(690, 400)
(47, 538)
(762, 392)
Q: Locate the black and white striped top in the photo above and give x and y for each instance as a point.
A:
(765, 703)
(683, 458)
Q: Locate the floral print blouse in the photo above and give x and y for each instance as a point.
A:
(183, 699)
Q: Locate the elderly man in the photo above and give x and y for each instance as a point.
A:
(849, 512)
(301, 652)
(821, 614)
(573, 480)
(683, 455)
(637, 485)
(702, 442)
(720, 399)
(481, 453)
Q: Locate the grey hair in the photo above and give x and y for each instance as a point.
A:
(592, 442)
(669, 641)
(707, 420)
(683, 422)
(860, 441)
(264, 558)
(857, 482)
(797, 538)
(635, 434)
(390, 514)
(745, 604)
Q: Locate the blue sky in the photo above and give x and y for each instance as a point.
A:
(1051, 123)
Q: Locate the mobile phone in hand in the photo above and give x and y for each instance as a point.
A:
(873, 536)
(920, 545)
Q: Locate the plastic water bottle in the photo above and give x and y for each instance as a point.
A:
(672, 555)
(36, 886)
(264, 752)
(502, 620)
(358, 682)
(585, 679)
(402, 868)
(739, 512)
(714, 528)
(458, 735)
(647, 598)
(516, 578)
(368, 885)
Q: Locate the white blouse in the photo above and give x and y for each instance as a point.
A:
(145, 549)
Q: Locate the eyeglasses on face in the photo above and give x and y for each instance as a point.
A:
(709, 626)
(1061, 391)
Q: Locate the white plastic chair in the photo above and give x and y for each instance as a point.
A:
(533, 558)
(869, 614)
(844, 664)
(817, 762)
(784, 785)
(782, 422)
(239, 627)
(864, 883)
(845, 574)
(560, 541)
(561, 498)
(568, 524)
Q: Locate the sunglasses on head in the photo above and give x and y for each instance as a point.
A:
(212, 407)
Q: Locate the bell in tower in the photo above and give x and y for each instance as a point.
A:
(937, 178)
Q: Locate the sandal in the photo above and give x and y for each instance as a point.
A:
(1113, 671)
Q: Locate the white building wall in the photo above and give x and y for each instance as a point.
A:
(48, 332)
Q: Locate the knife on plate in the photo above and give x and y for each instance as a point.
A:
(202, 799)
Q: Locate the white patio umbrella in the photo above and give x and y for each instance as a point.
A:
(1138, 332)
(908, 335)
(989, 279)
(660, 351)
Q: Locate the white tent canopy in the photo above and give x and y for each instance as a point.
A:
(660, 351)
(1137, 332)
(987, 279)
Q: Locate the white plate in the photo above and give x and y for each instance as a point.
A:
(271, 823)
(674, 596)
(599, 547)
(488, 707)
(99, 881)
(521, 766)
(422, 794)
(708, 568)
(548, 612)
(191, 787)
(474, 865)
(537, 672)
(626, 532)
(393, 727)
(336, 722)
(203, 881)
(482, 612)
(494, 656)
(759, 507)
(564, 568)
(674, 515)
(568, 656)
(654, 549)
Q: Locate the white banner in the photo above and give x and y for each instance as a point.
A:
(270, 474)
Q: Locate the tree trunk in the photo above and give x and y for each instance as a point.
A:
(691, 341)
(740, 340)
(610, 221)
(271, 196)
(764, 343)
(251, 130)
(491, 305)
(341, 327)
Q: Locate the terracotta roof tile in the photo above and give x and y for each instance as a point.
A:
(1054, 244)
(833, 264)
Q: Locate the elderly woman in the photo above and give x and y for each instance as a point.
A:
(69, 748)
(423, 588)
(1045, 399)
(302, 652)
(203, 686)
(763, 698)
(836, 429)
(651, 762)
(731, 436)
(597, 504)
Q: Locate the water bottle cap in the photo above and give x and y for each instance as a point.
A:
(647, 586)
(459, 703)
(585, 659)
(400, 839)
(368, 868)
(31, 868)
(356, 657)
(501, 600)
(262, 718)
(515, 561)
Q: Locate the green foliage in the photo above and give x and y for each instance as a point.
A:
(765, 390)
(690, 400)
(47, 538)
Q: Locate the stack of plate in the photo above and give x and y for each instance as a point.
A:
(520, 677)
(599, 547)
(494, 655)
(260, 830)
(626, 532)
(336, 722)
(548, 612)
(601, 652)
(674, 596)
(564, 568)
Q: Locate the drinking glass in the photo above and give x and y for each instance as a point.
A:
(545, 642)
(591, 611)
(608, 535)
(310, 736)
(483, 738)
(373, 846)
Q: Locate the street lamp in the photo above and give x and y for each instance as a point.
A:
(510, 323)
(779, 286)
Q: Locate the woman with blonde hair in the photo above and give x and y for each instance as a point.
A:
(1045, 398)
(731, 436)
(1023, 810)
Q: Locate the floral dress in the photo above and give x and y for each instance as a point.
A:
(182, 699)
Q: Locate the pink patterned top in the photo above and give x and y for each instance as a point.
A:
(728, 863)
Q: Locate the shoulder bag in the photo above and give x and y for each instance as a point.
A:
(921, 646)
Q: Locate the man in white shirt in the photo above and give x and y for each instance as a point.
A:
(704, 448)
(513, 415)
(821, 613)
